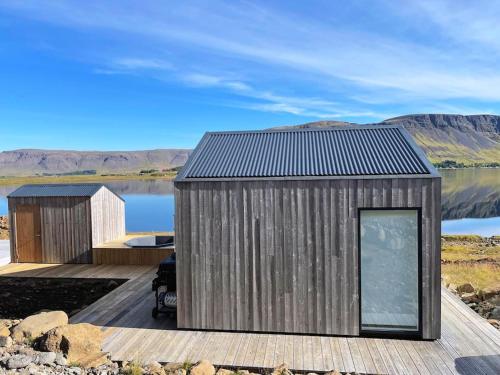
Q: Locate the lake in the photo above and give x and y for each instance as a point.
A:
(470, 202)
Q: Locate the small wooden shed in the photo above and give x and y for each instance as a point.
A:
(61, 223)
(326, 231)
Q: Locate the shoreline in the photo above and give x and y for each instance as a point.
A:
(21, 180)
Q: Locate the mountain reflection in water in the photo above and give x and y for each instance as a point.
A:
(470, 202)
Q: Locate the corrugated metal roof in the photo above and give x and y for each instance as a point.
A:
(350, 151)
(58, 190)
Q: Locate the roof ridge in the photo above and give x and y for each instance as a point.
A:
(359, 150)
(293, 129)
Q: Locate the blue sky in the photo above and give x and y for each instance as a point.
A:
(123, 75)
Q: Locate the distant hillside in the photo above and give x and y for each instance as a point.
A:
(468, 140)
(32, 162)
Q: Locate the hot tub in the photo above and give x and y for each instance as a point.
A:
(151, 241)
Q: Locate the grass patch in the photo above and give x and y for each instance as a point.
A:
(187, 364)
(462, 237)
(481, 276)
(133, 369)
(468, 248)
(83, 178)
(470, 259)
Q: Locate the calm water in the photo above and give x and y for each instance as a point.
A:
(471, 202)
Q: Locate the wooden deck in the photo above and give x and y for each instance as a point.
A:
(469, 345)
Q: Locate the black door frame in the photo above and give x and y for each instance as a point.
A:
(398, 334)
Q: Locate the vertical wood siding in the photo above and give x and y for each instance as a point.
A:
(71, 226)
(65, 228)
(108, 217)
(282, 256)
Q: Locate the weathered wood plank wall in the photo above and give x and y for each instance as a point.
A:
(108, 217)
(65, 228)
(282, 256)
(71, 226)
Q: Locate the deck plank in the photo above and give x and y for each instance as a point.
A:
(469, 345)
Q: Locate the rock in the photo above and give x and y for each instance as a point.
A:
(45, 358)
(174, 368)
(36, 325)
(495, 313)
(486, 294)
(4, 331)
(469, 297)
(5, 342)
(282, 370)
(334, 372)
(495, 300)
(465, 288)
(60, 359)
(5, 323)
(75, 370)
(75, 340)
(94, 360)
(18, 361)
(223, 371)
(495, 323)
(154, 368)
(203, 367)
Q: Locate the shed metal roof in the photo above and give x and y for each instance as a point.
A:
(318, 153)
(58, 190)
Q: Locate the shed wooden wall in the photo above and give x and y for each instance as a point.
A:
(282, 256)
(108, 217)
(65, 228)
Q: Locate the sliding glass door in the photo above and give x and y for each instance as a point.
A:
(389, 270)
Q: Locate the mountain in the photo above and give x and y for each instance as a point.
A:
(31, 162)
(468, 140)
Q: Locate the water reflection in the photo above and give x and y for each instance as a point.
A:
(470, 202)
(470, 193)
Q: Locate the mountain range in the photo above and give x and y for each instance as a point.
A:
(461, 140)
(29, 162)
(465, 140)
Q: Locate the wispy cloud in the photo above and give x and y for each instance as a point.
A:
(309, 55)
(138, 63)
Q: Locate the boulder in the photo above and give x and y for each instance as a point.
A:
(94, 360)
(495, 313)
(76, 341)
(19, 361)
(470, 297)
(154, 368)
(45, 358)
(36, 325)
(282, 370)
(5, 341)
(223, 371)
(4, 331)
(61, 359)
(465, 288)
(174, 368)
(495, 300)
(203, 367)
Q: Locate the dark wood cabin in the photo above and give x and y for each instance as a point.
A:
(328, 231)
